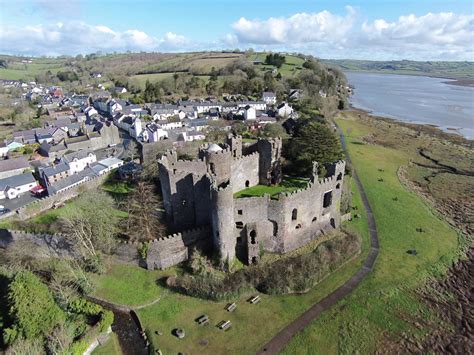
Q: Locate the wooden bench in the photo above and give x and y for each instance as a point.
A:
(224, 325)
(231, 307)
(203, 320)
(254, 299)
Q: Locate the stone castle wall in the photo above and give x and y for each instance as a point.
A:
(176, 248)
(201, 193)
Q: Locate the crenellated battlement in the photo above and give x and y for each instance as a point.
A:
(248, 156)
(200, 192)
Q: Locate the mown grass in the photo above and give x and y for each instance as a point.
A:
(287, 185)
(128, 285)
(110, 347)
(383, 305)
(254, 323)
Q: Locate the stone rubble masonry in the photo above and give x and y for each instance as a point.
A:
(200, 193)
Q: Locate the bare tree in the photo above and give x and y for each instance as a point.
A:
(143, 213)
(91, 225)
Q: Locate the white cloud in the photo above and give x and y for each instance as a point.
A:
(432, 36)
(299, 28)
(79, 37)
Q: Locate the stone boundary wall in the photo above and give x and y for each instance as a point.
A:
(55, 245)
(36, 207)
(176, 248)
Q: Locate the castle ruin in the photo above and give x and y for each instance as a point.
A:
(200, 194)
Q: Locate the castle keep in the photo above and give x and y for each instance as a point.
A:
(200, 194)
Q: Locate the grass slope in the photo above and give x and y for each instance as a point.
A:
(110, 347)
(384, 303)
(254, 323)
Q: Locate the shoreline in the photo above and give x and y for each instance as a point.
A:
(458, 81)
(426, 128)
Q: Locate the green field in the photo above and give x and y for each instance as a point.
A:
(25, 71)
(384, 305)
(141, 79)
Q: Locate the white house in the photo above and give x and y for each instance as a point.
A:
(14, 186)
(269, 98)
(166, 125)
(79, 160)
(192, 136)
(120, 90)
(250, 113)
(153, 133)
(90, 111)
(113, 107)
(284, 110)
(3, 149)
(105, 165)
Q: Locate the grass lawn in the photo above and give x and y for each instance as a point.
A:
(128, 285)
(384, 303)
(254, 323)
(287, 185)
(110, 347)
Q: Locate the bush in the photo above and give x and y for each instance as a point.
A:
(291, 275)
(106, 320)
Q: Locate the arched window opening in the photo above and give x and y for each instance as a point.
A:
(254, 259)
(294, 214)
(253, 235)
(339, 176)
(247, 183)
(338, 186)
(333, 223)
(327, 201)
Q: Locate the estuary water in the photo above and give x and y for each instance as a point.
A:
(416, 99)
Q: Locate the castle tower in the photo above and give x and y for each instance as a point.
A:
(222, 218)
(269, 164)
(219, 162)
(138, 127)
(235, 144)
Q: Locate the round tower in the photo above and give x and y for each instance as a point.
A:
(222, 214)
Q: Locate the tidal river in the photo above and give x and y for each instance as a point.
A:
(417, 99)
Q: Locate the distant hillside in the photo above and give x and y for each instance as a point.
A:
(454, 70)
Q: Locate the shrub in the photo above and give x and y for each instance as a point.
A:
(290, 275)
(32, 307)
(106, 320)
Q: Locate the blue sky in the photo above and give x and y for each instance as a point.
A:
(341, 29)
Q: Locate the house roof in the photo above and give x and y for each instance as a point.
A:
(55, 169)
(17, 180)
(80, 154)
(87, 173)
(110, 161)
(13, 164)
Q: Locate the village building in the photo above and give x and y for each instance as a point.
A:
(14, 186)
(13, 166)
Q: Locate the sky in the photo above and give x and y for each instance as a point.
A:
(357, 29)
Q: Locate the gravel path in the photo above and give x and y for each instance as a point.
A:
(286, 334)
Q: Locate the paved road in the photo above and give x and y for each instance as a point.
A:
(287, 333)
